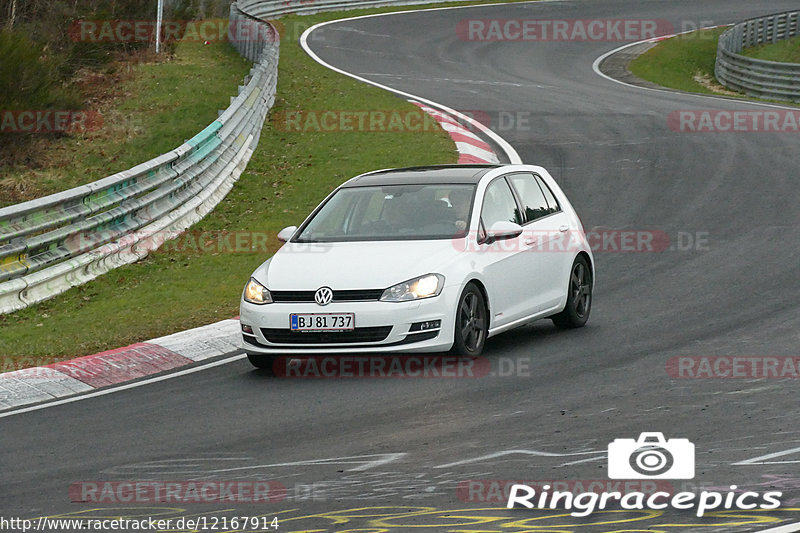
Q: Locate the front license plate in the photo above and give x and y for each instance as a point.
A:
(322, 322)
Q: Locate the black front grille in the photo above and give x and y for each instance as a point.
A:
(286, 336)
(359, 295)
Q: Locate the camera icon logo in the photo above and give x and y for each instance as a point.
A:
(651, 457)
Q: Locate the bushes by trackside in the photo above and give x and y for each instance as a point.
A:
(40, 54)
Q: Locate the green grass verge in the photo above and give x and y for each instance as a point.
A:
(786, 51)
(287, 176)
(678, 62)
(154, 109)
(686, 63)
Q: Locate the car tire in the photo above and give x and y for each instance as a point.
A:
(579, 296)
(263, 362)
(472, 322)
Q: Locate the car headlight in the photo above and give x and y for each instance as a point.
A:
(425, 286)
(256, 293)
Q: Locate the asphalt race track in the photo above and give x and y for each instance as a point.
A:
(388, 454)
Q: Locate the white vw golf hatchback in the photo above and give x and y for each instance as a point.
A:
(422, 259)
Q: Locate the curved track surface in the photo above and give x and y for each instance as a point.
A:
(405, 444)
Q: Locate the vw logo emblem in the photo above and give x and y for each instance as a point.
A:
(323, 296)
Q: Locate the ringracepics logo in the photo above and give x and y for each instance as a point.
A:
(588, 502)
(648, 457)
(651, 457)
(561, 30)
(497, 490)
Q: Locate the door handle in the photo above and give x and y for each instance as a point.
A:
(563, 228)
(530, 242)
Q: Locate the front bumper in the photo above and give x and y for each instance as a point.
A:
(271, 321)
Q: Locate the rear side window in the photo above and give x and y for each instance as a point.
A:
(533, 200)
(548, 194)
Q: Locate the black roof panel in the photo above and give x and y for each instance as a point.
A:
(420, 175)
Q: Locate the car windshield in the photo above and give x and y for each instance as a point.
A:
(392, 212)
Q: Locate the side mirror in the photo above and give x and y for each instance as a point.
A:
(286, 233)
(503, 229)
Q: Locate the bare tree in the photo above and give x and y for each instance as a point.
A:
(12, 14)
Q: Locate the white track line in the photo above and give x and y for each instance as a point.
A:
(763, 458)
(599, 60)
(511, 154)
(103, 392)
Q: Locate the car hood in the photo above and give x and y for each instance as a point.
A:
(354, 265)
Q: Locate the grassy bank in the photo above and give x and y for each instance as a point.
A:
(146, 109)
(684, 62)
(786, 51)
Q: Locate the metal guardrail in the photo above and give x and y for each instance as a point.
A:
(50, 244)
(264, 9)
(756, 77)
(59, 241)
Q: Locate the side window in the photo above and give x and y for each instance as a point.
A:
(499, 204)
(548, 194)
(531, 195)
